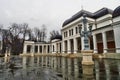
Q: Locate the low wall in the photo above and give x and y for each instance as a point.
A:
(55, 54)
(104, 55)
(111, 55)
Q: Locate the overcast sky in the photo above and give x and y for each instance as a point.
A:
(52, 13)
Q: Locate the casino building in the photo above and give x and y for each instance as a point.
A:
(105, 34)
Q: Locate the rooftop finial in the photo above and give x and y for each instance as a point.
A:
(82, 7)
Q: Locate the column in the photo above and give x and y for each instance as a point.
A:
(117, 37)
(25, 48)
(82, 43)
(95, 43)
(58, 48)
(55, 48)
(32, 49)
(38, 49)
(63, 47)
(104, 42)
(75, 45)
(69, 46)
(52, 51)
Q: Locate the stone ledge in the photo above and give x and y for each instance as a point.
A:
(87, 63)
(111, 55)
(87, 51)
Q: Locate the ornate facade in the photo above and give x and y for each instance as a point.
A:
(105, 34)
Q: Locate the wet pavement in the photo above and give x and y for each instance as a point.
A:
(57, 68)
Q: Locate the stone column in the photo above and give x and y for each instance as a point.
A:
(95, 43)
(32, 49)
(69, 46)
(63, 47)
(42, 49)
(104, 42)
(75, 45)
(82, 43)
(51, 48)
(117, 37)
(58, 47)
(55, 48)
(25, 48)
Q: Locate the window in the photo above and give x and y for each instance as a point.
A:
(72, 31)
(53, 48)
(66, 34)
(69, 32)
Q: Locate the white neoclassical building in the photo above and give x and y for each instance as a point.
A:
(105, 34)
(105, 31)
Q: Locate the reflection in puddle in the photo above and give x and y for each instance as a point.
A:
(58, 68)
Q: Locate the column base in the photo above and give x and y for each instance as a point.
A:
(105, 51)
(6, 55)
(32, 54)
(75, 51)
(87, 57)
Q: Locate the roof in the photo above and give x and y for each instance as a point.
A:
(57, 37)
(78, 15)
(102, 12)
(95, 15)
(116, 12)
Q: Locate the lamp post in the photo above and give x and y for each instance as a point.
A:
(87, 53)
(86, 34)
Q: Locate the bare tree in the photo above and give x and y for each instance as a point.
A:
(30, 34)
(44, 32)
(25, 30)
(40, 34)
(53, 34)
(36, 33)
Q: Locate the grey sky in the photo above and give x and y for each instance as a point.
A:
(52, 13)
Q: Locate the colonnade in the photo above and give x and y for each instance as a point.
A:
(36, 48)
(107, 42)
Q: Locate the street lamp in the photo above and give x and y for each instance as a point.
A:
(86, 34)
